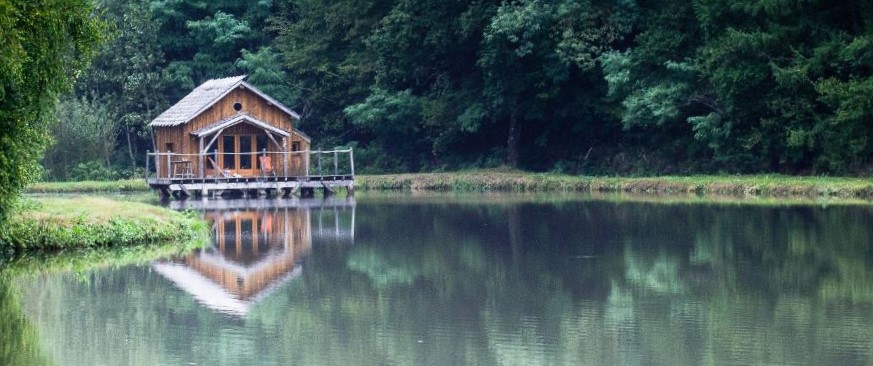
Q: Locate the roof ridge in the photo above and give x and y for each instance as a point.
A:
(192, 104)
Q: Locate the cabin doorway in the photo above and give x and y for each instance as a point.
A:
(237, 154)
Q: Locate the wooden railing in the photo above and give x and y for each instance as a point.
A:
(170, 165)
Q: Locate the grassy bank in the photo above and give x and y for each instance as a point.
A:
(755, 185)
(498, 180)
(129, 185)
(82, 222)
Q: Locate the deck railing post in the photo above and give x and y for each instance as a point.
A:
(147, 166)
(263, 153)
(306, 160)
(319, 163)
(169, 164)
(352, 161)
(285, 163)
(335, 163)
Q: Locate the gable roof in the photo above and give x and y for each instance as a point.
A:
(204, 96)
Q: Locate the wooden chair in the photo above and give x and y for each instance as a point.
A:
(267, 166)
(223, 173)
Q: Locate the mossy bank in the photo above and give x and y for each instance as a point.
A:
(754, 185)
(88, 222)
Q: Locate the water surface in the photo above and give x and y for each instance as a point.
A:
(477, 279)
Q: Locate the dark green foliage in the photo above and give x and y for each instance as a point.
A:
(572, 86)
(761, 86)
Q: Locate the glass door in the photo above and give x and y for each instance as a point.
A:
(237, 154)
(246, 150)
(228, 151)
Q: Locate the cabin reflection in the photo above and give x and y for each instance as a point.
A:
(257, 247)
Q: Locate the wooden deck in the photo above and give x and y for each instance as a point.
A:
(181, 182)
(248, 186)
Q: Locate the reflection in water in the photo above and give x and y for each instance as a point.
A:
(19, 343)
(257, 245)
(496, 281)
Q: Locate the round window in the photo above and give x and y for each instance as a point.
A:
(237, 106)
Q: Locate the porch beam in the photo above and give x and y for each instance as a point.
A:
(203, 149)
(270, 135)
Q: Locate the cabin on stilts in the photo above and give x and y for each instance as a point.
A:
(228, 137)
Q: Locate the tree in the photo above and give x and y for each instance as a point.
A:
(535, 53)
(46, 45)
(322, 45)
(85, 133)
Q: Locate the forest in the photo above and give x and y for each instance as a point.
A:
(628, 87)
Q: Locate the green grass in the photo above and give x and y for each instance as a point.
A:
(501, 180)
(129, 185)
(87, 222)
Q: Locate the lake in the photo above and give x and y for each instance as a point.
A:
(478, 279)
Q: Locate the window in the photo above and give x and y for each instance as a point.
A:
(245, 148)
(237, 106)
(295, 146)
(169, 146)
(228, 152)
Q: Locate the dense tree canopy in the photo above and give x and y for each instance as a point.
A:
(576, 86)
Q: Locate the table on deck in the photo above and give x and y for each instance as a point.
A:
(181, 169)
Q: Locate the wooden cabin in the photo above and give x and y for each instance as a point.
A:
(223, 128)
(226, 135)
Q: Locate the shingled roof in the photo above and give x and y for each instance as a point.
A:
(204, 96)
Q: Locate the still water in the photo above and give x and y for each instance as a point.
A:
(474, 279)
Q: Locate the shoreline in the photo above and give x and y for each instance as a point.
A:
(734, 186)
(740, 186)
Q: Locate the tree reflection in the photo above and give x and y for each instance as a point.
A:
(19, 342)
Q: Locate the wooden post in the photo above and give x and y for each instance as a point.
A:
(335, 163)
(319, 164)
(264, 153)
(200, 159)
(352, 161)
(305, 160)
(169, 165)
(285, 163)
(147, 166)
